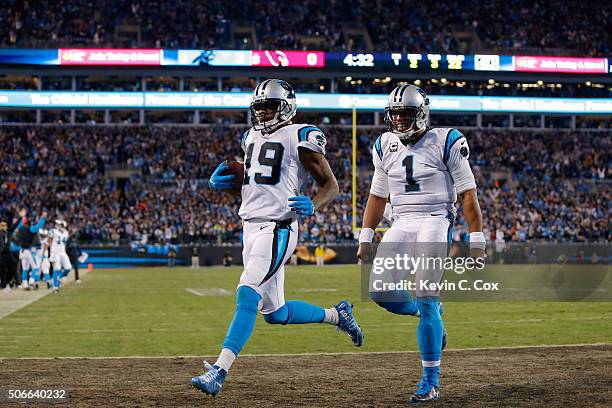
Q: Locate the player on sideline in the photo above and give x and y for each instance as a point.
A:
(421, 170)
(45, 263)
(27, 239)
(59, 258)
(279, 156)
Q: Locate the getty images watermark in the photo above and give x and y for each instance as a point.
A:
(425, 273)
(406, 265)
(521, 272)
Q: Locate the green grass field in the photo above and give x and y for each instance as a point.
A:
(149, 312)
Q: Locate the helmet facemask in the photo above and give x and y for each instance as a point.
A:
(269, 114)
(405, 121)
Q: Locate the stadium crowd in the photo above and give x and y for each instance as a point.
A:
(392, 25)
(547, 185)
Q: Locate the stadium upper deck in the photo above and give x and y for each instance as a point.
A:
(454, 27)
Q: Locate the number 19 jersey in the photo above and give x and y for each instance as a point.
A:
(273, 171)
(423, 177)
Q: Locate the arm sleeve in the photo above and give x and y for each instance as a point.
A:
(41, 223)
(380, 181)
(459, 166)
(312, 138)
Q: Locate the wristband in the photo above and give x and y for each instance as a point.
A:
(366, 235)
(477, 240)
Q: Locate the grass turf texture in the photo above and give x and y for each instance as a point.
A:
(149, 312)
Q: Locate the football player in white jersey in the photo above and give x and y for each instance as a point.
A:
(59, 258)
(421, 171)
(279, 155)
(45, 263)
(28, 241)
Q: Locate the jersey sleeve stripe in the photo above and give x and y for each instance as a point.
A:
(305, 131)
(451, 138)
(378, 148)
(244, 136)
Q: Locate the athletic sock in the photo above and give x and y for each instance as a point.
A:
(431, 375)
(429, 334)
(226, 359)
(242, 325)
(331, 316)
(56, 278)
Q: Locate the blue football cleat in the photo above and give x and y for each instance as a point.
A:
(211, 381)
(425, 393)
(347, 322)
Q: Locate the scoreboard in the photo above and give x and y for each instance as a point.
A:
(314, 60)
(410, 61)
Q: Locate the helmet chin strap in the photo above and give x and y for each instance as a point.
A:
(407, 137)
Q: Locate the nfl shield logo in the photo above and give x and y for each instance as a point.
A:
(393, 147)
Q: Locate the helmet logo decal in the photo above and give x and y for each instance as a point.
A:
(287, 88)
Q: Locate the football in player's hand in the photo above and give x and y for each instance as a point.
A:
(237, 169)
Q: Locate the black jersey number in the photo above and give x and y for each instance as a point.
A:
(411, 185)
(274, 162)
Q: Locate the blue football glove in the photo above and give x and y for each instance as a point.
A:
(219, 182)
(302, 205)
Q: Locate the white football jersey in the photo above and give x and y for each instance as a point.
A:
(59, 238)
(273, 171)
(424, 177)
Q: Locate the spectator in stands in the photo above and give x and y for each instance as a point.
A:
(540, 26)
(560, 194)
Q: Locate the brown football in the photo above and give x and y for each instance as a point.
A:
(237, 169)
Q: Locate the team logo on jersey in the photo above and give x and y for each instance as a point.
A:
(464, 150)
(393, 147)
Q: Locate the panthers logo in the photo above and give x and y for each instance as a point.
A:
(288, 88)
(424, 95)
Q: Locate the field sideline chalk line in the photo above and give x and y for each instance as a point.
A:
(346, 353)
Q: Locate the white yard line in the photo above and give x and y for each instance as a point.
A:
(193, 291)
(347, 353)
(209, 291)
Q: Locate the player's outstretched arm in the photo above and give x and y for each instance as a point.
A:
(318, 167)
(473, 216)
(374, 211)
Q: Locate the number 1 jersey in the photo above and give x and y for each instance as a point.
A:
(273, 171)
(423, 177)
